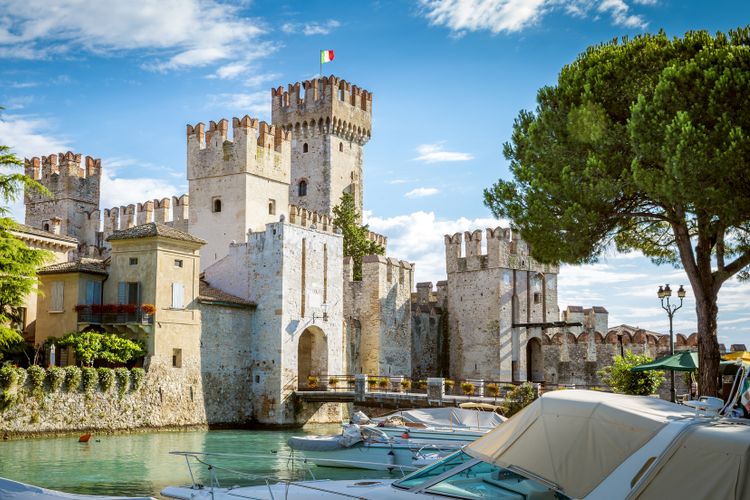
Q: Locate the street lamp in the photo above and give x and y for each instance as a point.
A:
(664, 293)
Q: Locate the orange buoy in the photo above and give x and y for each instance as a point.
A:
(84, 438)
(405, 435)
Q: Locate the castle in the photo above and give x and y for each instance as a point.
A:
(253, 296)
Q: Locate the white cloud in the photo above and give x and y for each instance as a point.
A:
(433, 153)
(255, 104)
(422, 192)
(119, 191)
(309, 29)
(179, 34)
(29, 135)
(509, 16)
(229, 71)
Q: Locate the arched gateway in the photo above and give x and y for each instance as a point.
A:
(534, 361)
(312, 355)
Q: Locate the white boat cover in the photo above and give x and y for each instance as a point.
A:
(460, 418)
(710, 460)
(350, 435)
(13, 490)
(574, 438)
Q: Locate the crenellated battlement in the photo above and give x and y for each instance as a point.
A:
(505, 249)
(328, 105)
(301, 216)
(378, 239)
(165, 211)
(255, 147)
(388, 270)
(64, 176)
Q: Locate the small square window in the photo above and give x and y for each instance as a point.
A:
(178, 263)
(271, 207)
(177, 358)
(133, 261)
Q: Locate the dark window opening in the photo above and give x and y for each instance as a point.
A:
(178, 262)
(217, 205)
(46, 227)
(537, 298)
(302, 190)
(304, 148)
(133, 261)
(341, 146)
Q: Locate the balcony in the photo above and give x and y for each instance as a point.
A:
(116, 317)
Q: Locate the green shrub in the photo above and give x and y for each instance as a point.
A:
(468, 388)
(405, 385)
(422, 385)
(312, 382)
(7, 398)
(492, 390)
(8, 377)
(518, 398)
(449, 385)
(620, 379)
(383, 383)
(37, 374)
(138, 375)
(22, 376)
(106, 378)
(92, 346)
(56, 378)
(72, 378)
(372, 382)
(123, 380)
(90, 378)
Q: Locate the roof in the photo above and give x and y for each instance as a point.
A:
(91, 266)
(210, 295)
(633, 329)
(153, 229)
(23, 228)
(594, 430)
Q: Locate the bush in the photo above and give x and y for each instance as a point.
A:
(518, 398)
(90, 378)
(106, 378)
(137, 375)
(56, 378)
(620, 379)
(332, 382)
(8, 377)
(22, 376)
(405, 385)
(492, 390)
(123, 380)
(93, 346)
(449, 385)
(468, 388)
(37, 374)
(422, 385)
(312, 382)
(72, 378)
(372, 382)
(383, 383)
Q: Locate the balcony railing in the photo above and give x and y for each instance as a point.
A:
(107, 314)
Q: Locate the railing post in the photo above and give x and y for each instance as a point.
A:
(435, 390)
(360, 387)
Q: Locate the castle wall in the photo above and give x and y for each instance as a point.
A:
(248, 176)
(289, 272)
(428, 333)
(379, 306)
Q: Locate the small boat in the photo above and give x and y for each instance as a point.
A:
(367, 447)
(567, 444)
(14, 490)
(442, 424)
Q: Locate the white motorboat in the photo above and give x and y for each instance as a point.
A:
(366, 447)
(14, 490)
(567, 444)
(441, 424)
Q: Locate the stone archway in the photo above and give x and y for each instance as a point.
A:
(534, 361)
(312, 356)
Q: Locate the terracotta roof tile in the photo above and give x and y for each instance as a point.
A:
(91, 266)
(153, 229)
(211, 295)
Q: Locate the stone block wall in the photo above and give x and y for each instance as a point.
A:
(429, 347)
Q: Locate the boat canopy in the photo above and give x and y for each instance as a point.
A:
(451, 417)
(709, 460)
(576, 438)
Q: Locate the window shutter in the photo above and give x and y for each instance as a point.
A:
(90, 292)
(57, 296)
(178, 296)
(97, 292)
(122, 292)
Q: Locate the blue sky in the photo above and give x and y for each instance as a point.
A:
(120, 80)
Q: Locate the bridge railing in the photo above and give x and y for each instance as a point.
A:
(326, 382)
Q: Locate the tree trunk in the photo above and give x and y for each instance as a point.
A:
(708, 345)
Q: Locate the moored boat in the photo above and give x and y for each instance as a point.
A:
(15, 490)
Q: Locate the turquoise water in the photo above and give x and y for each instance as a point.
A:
(140, 464)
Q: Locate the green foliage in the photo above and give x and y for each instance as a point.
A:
(72, 378)
(123, 380)
(37, 374)
(92, 346)
(405, 385)
(643, 143)
(8, 377)
(492, 390)
(518, 398)
(55, 378)
(90, 378)
(138, 375)
(106, 378)
(468, 388)
(619, 377)
(356, 242)
(22, 376)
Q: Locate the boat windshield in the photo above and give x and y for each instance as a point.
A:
(475, 479)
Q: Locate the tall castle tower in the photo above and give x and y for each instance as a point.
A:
(236, 185)
(331, 122)
(75, 194)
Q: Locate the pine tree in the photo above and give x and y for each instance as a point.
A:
(356, 242)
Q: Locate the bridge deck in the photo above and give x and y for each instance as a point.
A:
(390, 399)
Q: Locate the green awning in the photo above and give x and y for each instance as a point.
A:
(685, 361)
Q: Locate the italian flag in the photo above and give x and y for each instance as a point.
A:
(326, 56)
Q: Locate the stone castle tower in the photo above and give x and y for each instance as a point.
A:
(331, 121)
(236, 185)
(75, 194)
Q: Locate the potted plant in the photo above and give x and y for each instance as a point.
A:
(383, 383)
(79, 308)
(405, 385)
(422, 385)
(312, 382)
(372, 383)
(332, 382)
(148, 309)
(468, 388)
(449, 385)
(492, 390)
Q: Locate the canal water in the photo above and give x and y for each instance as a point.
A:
(140, 464)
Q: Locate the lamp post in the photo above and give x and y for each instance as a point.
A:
(664, 293)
